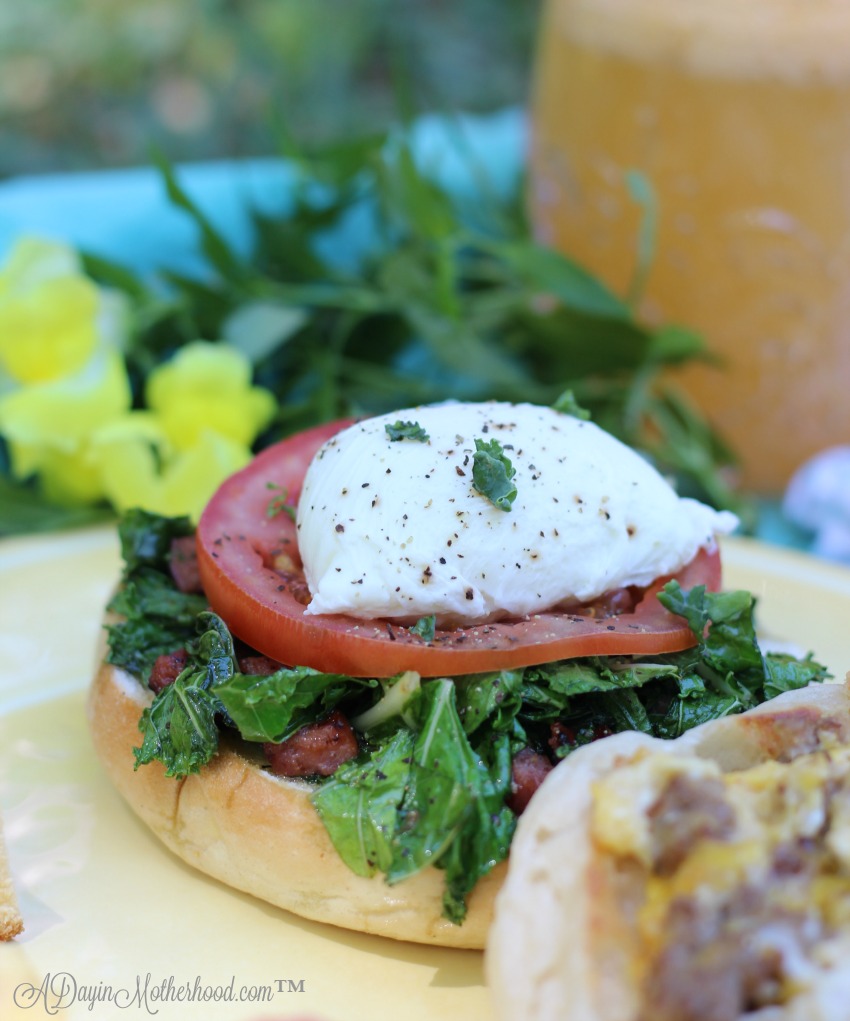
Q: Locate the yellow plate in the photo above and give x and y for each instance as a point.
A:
(108, 910)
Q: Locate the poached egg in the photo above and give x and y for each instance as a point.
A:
(396, 528)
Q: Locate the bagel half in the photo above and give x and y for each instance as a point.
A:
(566, 942)
(259, 833)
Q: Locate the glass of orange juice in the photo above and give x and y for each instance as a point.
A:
(738, 115)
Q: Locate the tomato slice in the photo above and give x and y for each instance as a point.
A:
(252, 575)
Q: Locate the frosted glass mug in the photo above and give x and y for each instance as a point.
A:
(738, 114)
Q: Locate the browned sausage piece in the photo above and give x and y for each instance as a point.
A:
(527, 773)
(258, 666)
(166, 669)
(686, 811)
(318, 749)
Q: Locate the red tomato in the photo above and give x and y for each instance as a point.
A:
(253, 577)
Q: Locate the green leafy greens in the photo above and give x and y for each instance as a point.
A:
(429, 786)
(156, 617)
(179, 728)
(380, 286)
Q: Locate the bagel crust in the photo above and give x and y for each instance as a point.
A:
(259, 833)
(566, 940)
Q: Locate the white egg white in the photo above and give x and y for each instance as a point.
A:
(396, 529)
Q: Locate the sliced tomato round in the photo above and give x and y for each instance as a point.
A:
(253, 578)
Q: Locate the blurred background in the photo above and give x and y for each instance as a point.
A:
(96, 83)
(729, 235)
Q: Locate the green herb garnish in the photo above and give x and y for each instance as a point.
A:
(568, 405)
(278, 503)
(425, 628)
(492, 472)
(406, 431)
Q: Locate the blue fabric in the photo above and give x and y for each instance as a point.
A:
(126, 216)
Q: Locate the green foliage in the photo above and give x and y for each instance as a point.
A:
(443, 295)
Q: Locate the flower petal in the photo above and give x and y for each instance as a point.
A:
(60, 414)
(50, 330)
(208, 387)
(48, 312)
(138, 471)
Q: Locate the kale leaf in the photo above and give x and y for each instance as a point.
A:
(360, 802)
(424, 796)
(786, 673)
(727, 658)
(273, 707)
(146, 539)
(157, 618)
(179, 728)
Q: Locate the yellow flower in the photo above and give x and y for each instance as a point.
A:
(48, 426)
(50, 313)
(137, 470)
(203, 416)
(208, 387)
(65, 396)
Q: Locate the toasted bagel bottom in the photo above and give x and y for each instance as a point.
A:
(259, 833)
